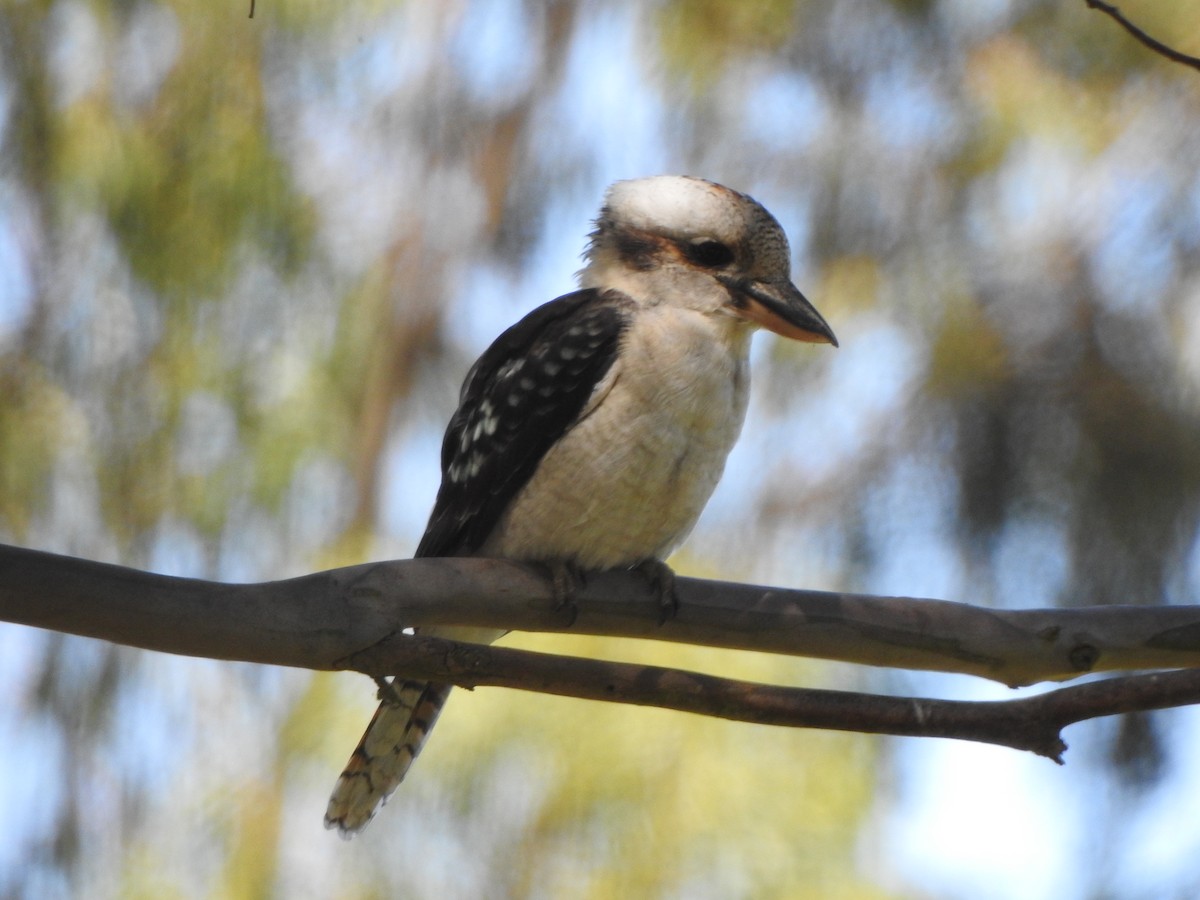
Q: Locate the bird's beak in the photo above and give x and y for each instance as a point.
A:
(779, 306)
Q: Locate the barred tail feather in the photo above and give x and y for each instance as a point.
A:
(388, 747)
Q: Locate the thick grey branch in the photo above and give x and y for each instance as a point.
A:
(316, 620)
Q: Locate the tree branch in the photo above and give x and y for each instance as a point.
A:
(316, 620)
(1029, 723)
(354, 618)
(1157, 46)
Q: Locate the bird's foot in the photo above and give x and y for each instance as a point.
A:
(661, 578)
(566, 580)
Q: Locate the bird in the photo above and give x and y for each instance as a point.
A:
(591, 434)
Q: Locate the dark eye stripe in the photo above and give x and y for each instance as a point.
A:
(708, 253)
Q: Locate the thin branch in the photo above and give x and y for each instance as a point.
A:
(1157, 46)
(315, 620)
(1030, 723)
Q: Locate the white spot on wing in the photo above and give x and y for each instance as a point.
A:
(510, 368)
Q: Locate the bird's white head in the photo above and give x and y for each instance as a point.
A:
(675, 238)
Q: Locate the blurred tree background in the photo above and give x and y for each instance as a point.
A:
(245, 263)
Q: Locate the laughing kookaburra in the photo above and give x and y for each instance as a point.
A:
(591, 433)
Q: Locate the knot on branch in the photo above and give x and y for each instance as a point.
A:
(1083, 657)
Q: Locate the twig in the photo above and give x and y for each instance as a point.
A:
(1157, 46)
(1029, 723)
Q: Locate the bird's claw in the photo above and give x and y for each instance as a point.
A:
(661, 578)
(566, 580)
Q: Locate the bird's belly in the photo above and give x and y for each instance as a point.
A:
(628, 482)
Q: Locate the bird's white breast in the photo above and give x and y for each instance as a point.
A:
(629, 481)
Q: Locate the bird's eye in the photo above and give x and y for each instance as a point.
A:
(708, 253)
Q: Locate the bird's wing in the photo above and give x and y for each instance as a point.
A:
(525, 392)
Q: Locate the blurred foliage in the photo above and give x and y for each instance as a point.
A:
(245, 263)
(701, 38)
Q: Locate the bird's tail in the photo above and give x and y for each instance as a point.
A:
(388, 747)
